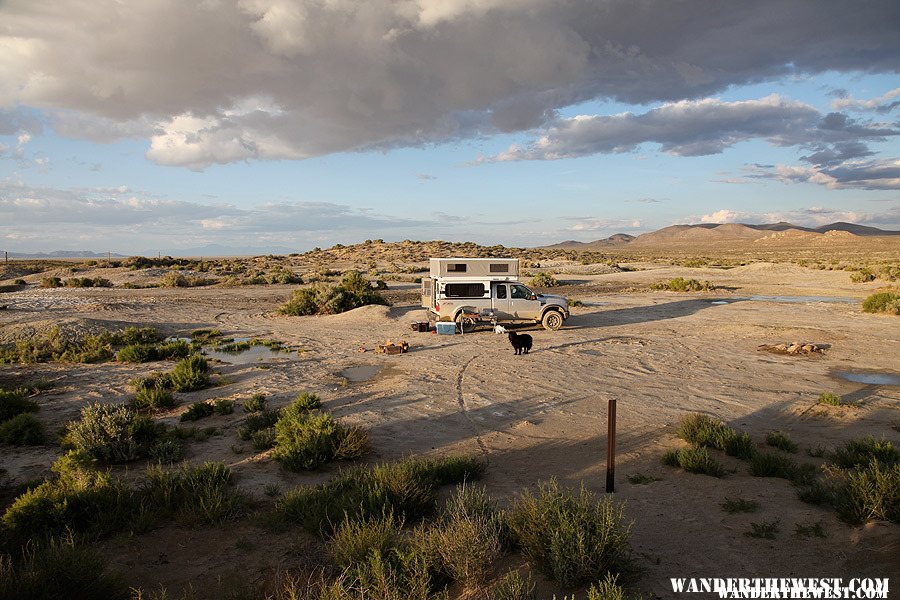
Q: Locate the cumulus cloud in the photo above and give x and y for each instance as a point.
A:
(885, 103)
(708, 126)
(227, 80)
(599, 224)
(867, 175)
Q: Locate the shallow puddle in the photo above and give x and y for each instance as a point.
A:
(869, 377)
(251, 355)
(802, 299)
(361, 373)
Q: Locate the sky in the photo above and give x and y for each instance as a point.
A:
(282, 125)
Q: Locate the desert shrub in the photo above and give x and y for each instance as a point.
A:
(469, 538)
(406, 489)
(157, 381)
(283, 276)
(815, 492)
(307, 401)
(172, 350)
(353, 291)
(514, 587)
(257, 422)
(135, 353)
(194, 495)
(739, 505)
(767, 464)
(58, 569)
(15, 402)
(137, 335)
(51, 282)
(111, 433)
(862, 451)
(22, 430)
(354, 540)
(862, 276)
(695, 459)
(869, 492)
(197, 411)
(572, 536)
(702, 430)
(20, 282)
(766, 530)
(829, 399)
(607, 589)
(641, 479)
(807, 530)
(167, 451)
(882, 302)
(305, 441)
(224, 406)
(263, 439)
(88, 282)
(190, 374)
(153, 398)
(256, 403)
(544, 279)
(782, 441)
(680, 284)
(80, 499)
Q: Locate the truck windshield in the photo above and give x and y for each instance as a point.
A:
(520, 291)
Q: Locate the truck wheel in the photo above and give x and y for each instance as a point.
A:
(464, 324)
(552, 320)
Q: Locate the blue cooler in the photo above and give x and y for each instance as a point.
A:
(446, 327)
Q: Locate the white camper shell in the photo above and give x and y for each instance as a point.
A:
(489, 287)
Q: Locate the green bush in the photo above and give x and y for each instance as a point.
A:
(354, 540)
(695, 459)
(51, 282)
(406, 489)
(15, 402)
(869, 492)
(702, 430)
(680, 284)
(172, 350)
(862, 451)
(306, 441)
(197, 411)
(882, 302)
(307, 401)
(112, 433)
(22, 430)
(766, 530)
(153, 398)
(60, 569)
(767, 464)
(572, 536)
(782, 441)
(353, 291)
(469, 537)
(544, 279)
(135, 353)
(862, 276)
(224, 406)
(829, 399)
(81, 499)
(256, 403)
(88, 282)
(203, 495)
(257, 422)
(263, 439)
(190, 374)
(514, 587)
(167, 451)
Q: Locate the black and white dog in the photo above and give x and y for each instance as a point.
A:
(521, 342)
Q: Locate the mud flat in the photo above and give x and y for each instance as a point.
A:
(661, 355)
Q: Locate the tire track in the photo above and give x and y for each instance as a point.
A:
(464, 409)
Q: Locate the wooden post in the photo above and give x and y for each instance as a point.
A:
(611, 447)
(5, 256)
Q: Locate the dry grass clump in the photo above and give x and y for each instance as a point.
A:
(695, 459)
(680, 284)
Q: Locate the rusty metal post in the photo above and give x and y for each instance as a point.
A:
(611, 447)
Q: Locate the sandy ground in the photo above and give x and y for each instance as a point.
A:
(660, 355)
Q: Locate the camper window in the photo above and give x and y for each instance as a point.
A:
(456, 267)
(499, 268)
(464, 290)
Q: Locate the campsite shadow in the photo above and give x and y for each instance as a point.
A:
(640, 314)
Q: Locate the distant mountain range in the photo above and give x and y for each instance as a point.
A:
(66, 254)
(724, 232)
